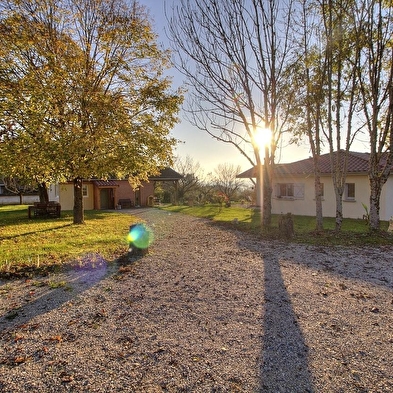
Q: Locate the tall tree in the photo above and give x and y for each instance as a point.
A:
(103, 105)
(374, 32)
(233, 54)
(326, 81)
(307, 76)
(341, 56)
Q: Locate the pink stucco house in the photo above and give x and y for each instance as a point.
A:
(112, 193)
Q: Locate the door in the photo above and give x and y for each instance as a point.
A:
(138, 197)
(106, 199)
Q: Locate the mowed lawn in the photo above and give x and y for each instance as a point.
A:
(40, 242)
(37, 244)
(354, 232)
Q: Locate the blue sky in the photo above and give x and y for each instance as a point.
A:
(196, 143)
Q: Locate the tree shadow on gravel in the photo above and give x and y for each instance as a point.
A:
(284, 353)
(284, 364)
(284, 358)
(58, 289)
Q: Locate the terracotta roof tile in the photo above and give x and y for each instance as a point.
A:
(357, 163)
(106, 183)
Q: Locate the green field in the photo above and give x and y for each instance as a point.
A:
(354, 232)
(40, 244)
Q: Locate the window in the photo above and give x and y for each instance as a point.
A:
(84, 190)
(349, 191)
(290, 190)
(286, 190)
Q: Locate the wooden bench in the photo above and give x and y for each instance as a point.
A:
(51, 209)
(125, 203)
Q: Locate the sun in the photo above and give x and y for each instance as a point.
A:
(262, 137)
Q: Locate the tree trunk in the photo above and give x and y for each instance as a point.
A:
(339, 211)
(285, 226)
(375, 196)
(267, 191)
(78, 201)
(258, 189)
(318, 204)
(267, 205)
(43, 192)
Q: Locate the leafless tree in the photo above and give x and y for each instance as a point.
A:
(191, 171)
(374, 29)
(226, 182)
(307, 86)
(341, 56)
(233, 55)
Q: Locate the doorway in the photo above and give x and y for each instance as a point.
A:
(106, 199)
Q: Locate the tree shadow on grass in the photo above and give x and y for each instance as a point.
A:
(62, 226)
(284, 355)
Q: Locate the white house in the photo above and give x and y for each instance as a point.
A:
(293, 188)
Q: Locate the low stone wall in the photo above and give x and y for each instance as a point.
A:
(14, 199)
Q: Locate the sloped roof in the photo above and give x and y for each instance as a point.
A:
(357, 163)
(106, 183)
(248, 174)
(167, 174)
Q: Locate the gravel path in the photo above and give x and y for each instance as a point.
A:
(206, 310)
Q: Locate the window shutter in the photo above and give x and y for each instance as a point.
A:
(298, 190)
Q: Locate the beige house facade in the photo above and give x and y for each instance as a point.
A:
(111, 194)
(293, 188)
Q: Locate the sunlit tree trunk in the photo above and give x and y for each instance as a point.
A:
(267, 190)
(78, 201)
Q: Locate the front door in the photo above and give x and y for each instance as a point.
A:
(138, 197)
(106, 198)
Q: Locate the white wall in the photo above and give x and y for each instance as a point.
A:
(14, 199)
(351, 208)
(387, 200)
(53, 192)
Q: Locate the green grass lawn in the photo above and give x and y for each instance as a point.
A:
(41, 243)
(354, 232)
(38, 244)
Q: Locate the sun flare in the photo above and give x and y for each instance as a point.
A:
(262, 137)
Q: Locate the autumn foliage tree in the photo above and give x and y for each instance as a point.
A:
(373, 26)
(343, 83)
(83, 92)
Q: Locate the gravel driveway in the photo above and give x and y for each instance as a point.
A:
(208, 309)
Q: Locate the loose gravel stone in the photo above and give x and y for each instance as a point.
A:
(208, 309)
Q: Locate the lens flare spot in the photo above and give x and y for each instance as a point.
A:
(140, 236)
